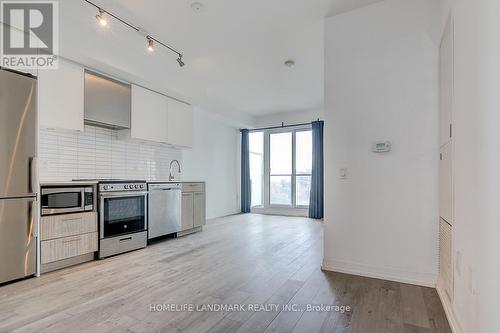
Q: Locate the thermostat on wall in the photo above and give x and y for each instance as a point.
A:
(381, 147)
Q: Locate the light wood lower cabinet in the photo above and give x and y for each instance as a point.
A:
(57, 226)
(67, 247)
(199, 209)
(193, 187)
(187, 213)
(67, 236)
(193, 205)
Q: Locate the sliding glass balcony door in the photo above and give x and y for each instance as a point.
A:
(280, 167)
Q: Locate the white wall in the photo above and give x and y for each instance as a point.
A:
(214, 159)
(381, 84)
(476, 163)
(289, 118)
(486, 280)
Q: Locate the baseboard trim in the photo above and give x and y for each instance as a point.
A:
(292, 212)
(225, 215)
(448, 310)
(419, 279)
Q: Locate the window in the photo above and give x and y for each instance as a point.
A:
(256, 148)
(281, 175)
(280, 167)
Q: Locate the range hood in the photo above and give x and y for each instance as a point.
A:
(107, 102)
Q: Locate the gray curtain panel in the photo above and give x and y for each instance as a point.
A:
(316, 195)
(246, 189)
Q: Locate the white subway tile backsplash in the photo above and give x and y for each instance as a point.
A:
(97, 153)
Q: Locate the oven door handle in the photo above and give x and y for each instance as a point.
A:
(123, 194)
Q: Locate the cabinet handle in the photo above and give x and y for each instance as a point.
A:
(73, 219)
(71, 240)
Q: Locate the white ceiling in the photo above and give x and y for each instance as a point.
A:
(234, 49)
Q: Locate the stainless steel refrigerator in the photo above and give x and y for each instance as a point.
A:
(18, 176)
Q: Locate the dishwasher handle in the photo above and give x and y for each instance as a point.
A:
(165, 187)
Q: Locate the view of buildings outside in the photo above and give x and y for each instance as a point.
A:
(284, 175)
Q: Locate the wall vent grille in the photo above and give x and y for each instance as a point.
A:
(445, 278)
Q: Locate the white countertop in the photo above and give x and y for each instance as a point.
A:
(68, 182)
(175, 181)
(93, 182)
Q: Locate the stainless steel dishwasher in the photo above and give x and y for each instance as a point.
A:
(164, 209)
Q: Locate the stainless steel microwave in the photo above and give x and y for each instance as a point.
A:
(64, 200)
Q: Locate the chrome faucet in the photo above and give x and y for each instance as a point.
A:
(170, 176)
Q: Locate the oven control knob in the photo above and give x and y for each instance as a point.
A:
(136, 186)
(125, 186)
(142, 186)
(106, 187)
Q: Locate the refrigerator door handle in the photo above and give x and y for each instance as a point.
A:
(34, 217)
(34, 175)
(27, 197)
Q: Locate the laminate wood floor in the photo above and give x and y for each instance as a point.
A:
(248, 260)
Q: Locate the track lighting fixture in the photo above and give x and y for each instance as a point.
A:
(179, 60)
(151, 46)
(101, 18)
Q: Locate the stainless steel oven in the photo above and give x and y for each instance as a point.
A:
(123, 218)
(64, 200)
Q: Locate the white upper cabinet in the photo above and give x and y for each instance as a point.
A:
(180, 124)
(156, 117)
(149, 115)
(60, 97)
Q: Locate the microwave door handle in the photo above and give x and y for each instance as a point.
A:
(82, 196)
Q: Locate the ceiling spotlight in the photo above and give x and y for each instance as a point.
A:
(179, 60)
(103, 15)
(100, 17)
(151, 46)
(290, 63)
